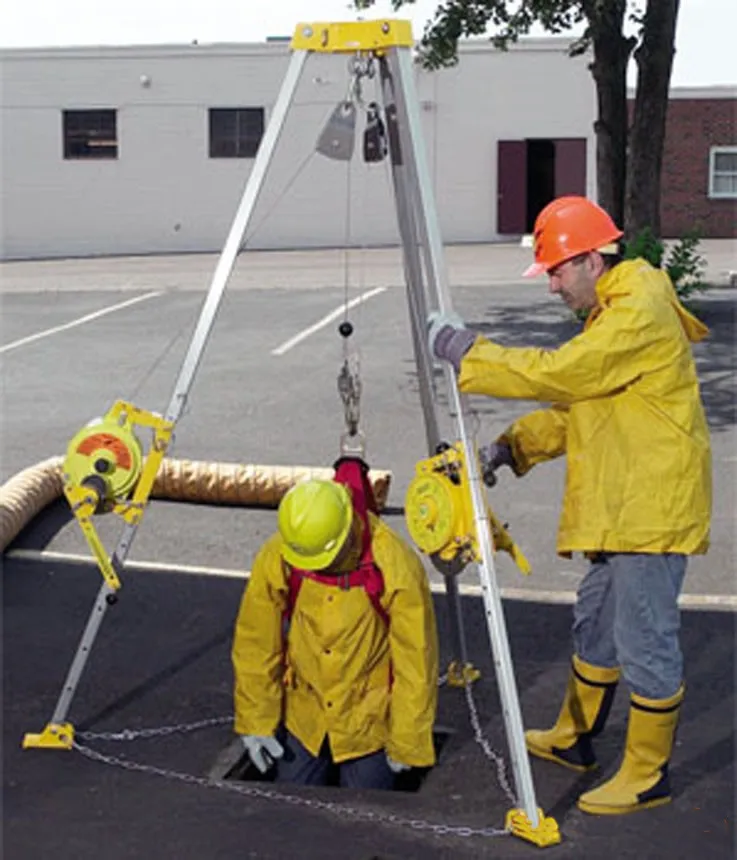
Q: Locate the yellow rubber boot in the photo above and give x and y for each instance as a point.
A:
(585, 709)
(642, 779)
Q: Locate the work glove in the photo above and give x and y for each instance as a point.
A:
(263, 750)
(396, 766)
(491, 457)
(448, 337)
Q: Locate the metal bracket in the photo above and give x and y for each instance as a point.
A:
(58, 736)
(461, 674)
(91, 483)
(545, 834)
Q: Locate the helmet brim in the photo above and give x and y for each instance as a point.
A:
(535, 270)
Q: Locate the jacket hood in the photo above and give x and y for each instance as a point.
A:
(620, 280)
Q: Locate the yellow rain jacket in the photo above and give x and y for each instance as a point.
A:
(626, 411)
(341, 658)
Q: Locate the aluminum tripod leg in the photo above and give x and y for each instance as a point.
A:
(194, 354)
(400, 68)
(418, 314)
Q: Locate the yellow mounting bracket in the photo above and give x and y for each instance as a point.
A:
(546, 833)
(58, 736)
(351, 36)
(105, 471)
(439, 512)
(461, 674)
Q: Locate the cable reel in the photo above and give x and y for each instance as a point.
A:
(105, 471)
(106, 457)
(440, 518)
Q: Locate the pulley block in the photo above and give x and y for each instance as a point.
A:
(440, 517)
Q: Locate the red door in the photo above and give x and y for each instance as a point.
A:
(511, 187)
(570, 166)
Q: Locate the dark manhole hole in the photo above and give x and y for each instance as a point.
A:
(233, 763)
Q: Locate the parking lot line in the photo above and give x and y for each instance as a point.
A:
(293, 341)
(80, 321)
(718, 602)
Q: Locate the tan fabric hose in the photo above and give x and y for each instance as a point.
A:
(27, 493)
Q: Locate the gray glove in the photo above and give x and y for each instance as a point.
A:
(263, 750)
(448, 337)
(491, 458)
(396, 766)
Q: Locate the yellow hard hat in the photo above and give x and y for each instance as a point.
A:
(314, 519)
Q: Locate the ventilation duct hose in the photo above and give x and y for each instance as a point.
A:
(27, 493)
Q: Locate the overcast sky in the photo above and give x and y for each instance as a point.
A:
(706, 52)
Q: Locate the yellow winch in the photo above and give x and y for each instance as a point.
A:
(105, 470)
(439, 512)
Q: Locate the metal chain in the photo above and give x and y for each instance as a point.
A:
(270, 794)
(493, 756)
(160, 731)
(249, 790)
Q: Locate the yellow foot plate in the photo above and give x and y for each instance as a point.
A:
(546, 833)
(59, 736)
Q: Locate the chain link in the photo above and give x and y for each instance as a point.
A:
(249, 790)
(160, 731)
(489, 751)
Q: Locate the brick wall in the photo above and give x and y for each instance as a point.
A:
(693, 126)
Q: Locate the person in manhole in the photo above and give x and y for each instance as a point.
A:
(335, 649)
(626, 411)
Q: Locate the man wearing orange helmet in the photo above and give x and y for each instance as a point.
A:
(627, 413)
(335, 651)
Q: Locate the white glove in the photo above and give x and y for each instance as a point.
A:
(448, 338)
(263, 750)
(438, 320)
(396, 766)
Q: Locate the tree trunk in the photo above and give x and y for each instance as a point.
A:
(609, 69)
(654, 59)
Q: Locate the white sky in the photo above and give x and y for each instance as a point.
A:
(706, 51)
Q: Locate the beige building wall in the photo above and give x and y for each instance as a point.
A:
(163, 194)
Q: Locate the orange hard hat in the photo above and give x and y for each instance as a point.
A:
(567, 227)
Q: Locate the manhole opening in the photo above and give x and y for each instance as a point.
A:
(233, 763)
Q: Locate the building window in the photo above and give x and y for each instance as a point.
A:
(235, 132)
(90, 134)
(723, 171)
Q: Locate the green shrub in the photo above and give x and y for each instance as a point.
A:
(684, 264)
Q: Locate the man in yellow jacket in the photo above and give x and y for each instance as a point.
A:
(627, 413)
(335, 651)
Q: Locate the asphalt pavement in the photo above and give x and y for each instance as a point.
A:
(77, 335)
(162, 659)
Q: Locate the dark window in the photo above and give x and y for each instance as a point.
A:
(235, 132)
(90, 134)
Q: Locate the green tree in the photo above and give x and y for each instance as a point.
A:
(629, 153)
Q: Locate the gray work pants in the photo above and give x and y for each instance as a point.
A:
(627, 615)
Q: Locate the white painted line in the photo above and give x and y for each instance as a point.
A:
(51, 556)
(298, 338)
(85, 319)
(719, 602)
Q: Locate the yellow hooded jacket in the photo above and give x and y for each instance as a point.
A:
(626, 411)
(341, 658)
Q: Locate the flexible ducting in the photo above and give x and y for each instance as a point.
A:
(28, 492)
